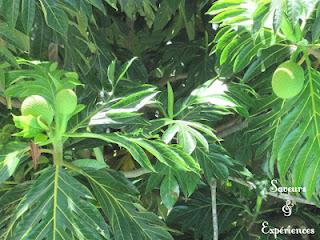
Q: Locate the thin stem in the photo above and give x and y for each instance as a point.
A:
(99, 154)
(44, 150)
(14, 103)
(256, 213)
(9, 103)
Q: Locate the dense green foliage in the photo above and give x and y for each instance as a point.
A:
(117, 116)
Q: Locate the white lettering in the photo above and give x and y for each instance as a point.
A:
(274, 188)
(265, 229)
(264, 226)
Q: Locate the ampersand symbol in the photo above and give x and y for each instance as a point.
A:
(287, 208)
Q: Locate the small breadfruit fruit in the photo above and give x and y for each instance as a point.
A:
(66, 102)
(288, 80)
(37, 106)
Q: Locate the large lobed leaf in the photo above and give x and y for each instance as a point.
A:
(42, 78)
(57, 206)
(128, 219)
(296, 144)
(289, 129)
(10, 198)
(255, 15)
(169, 155)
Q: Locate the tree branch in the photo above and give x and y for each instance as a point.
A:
(290, 197)
(282, 196)
(135, 173)
(141, 171)
(213, 189)
(314, 52)
(163, 81)
(231, 127)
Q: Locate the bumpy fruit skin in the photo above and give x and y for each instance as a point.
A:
(66, 102)
(37, 106)
(288, 80)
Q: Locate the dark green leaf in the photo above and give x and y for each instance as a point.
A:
(169, 190)
(121, 207)
(56, 206)
(10, 10)
(55, 17)
(28, 8)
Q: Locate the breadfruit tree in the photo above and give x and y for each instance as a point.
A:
(159, 119)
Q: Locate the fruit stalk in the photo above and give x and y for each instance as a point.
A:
(58, 151)
(61, 124)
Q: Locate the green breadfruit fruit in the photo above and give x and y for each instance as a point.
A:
(65, 102)
(288, 80)
(37, 106)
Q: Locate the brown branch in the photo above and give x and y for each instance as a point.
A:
(53, 52)
(35, 153)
